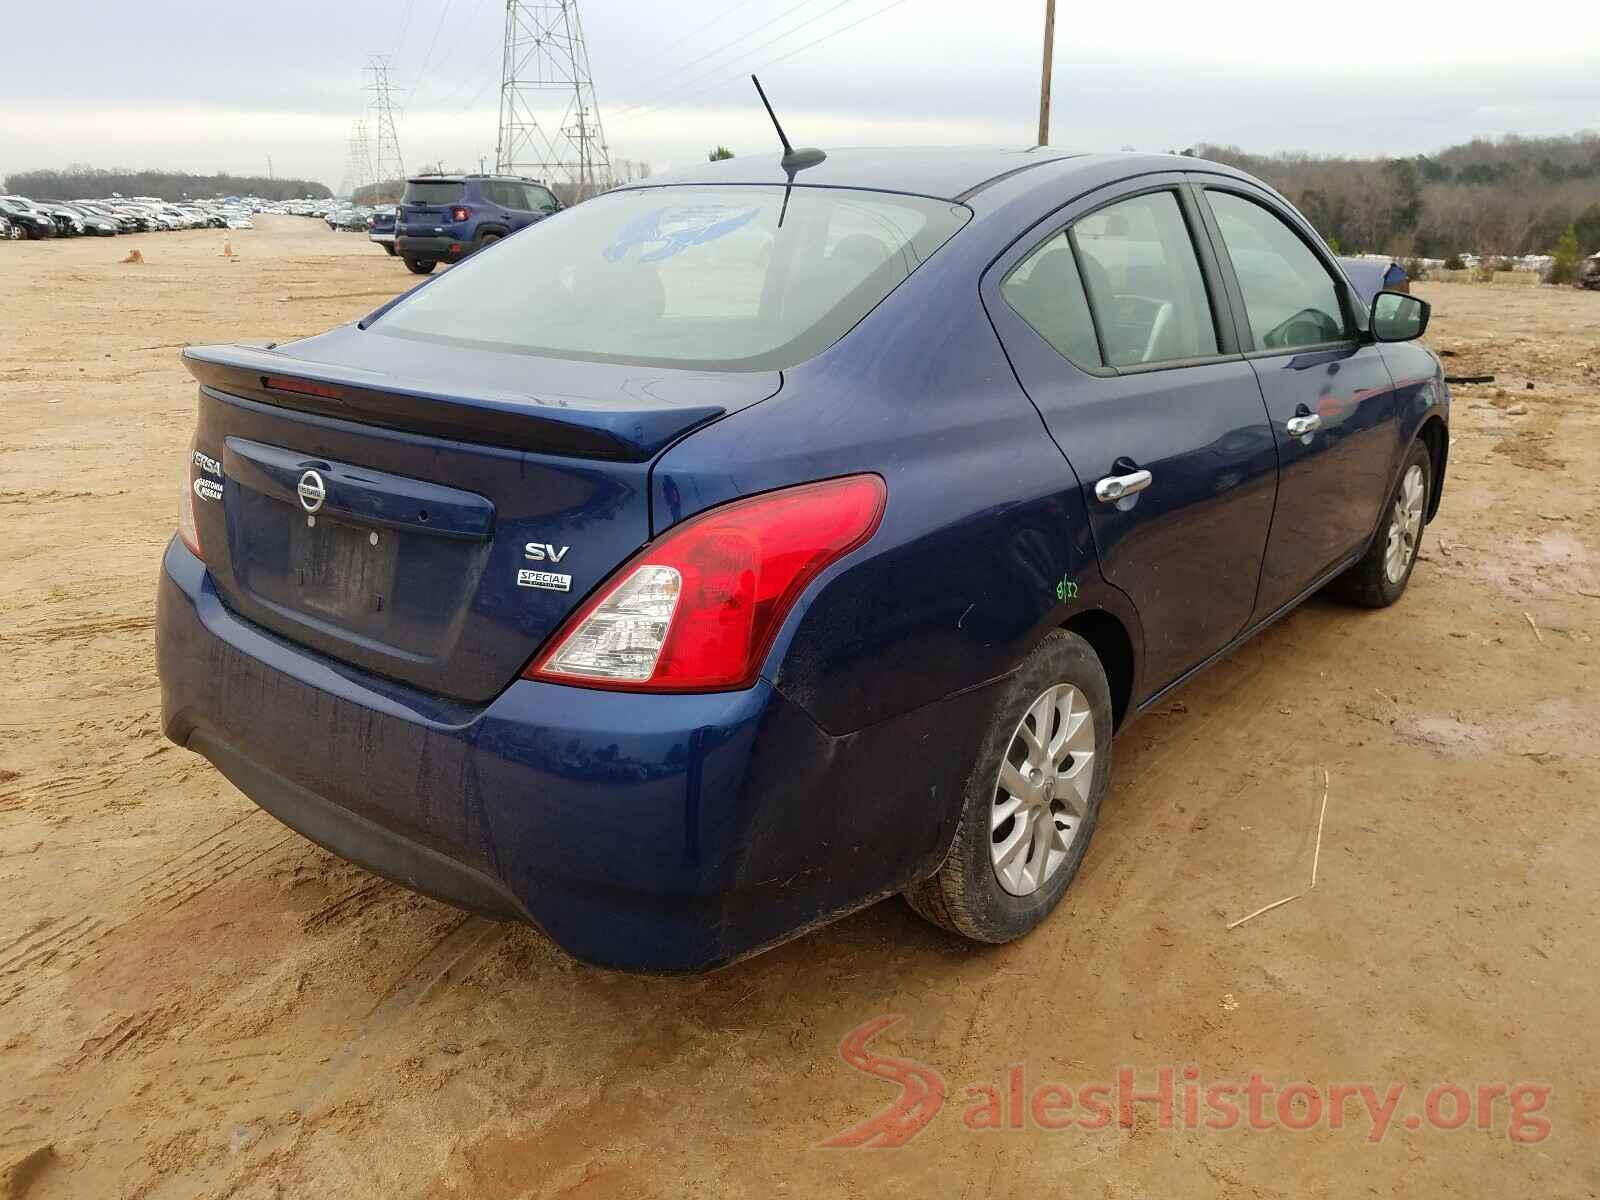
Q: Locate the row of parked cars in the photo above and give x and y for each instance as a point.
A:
(21, 217)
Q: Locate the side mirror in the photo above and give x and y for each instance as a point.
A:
(1399, 317)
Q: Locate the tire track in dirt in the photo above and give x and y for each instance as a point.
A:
(452, 956)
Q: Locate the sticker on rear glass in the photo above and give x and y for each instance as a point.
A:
(207, 489)
(548, 580)
(671, 231)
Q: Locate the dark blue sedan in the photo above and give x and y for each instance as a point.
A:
(732, 551)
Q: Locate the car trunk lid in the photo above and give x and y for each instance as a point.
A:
(429, 514)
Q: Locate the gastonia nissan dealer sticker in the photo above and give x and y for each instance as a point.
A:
(207, 489)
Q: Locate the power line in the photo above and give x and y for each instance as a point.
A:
(636, 111)
(478, 95)
(444, 12)
(465, 27)
(405, 23)
(842, 29)
(662, 51)
(488, 74)
(648, 84)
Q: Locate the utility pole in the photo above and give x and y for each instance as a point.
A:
(269, 168)
(549, 117)
(387, 164)
(1044, 82)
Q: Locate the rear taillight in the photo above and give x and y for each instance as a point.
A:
(697, 610)
(186, 525)
(460, 213)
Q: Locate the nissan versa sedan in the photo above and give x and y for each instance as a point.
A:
(734, 550)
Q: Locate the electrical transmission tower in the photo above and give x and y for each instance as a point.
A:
(549, 118)
(387, 164)
(358, 160)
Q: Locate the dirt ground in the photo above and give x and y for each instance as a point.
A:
(196, 1002)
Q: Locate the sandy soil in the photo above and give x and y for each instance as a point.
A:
(194, 1001)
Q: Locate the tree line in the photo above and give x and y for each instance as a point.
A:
(1509, 196)
(79, 182)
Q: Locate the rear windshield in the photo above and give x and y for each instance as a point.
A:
(431, 192)
(700, 277)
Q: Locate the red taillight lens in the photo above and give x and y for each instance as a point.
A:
(697, 610)
(460, 213)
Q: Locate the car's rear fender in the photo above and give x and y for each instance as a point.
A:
(984, 544)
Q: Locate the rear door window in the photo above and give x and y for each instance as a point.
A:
(1289, 296)
(1143, 281)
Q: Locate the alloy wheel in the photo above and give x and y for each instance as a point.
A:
(1041, 797)
(1405, 525)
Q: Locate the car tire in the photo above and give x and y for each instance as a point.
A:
(486, 240)
(985, 889)
(421, 266)
(15, 233)
(1380, 578)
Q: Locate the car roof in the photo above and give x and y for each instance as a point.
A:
(950, 173)
(464, 178)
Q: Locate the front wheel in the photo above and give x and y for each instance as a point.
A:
(1031, 801)
(421, 266)
(1380, 578)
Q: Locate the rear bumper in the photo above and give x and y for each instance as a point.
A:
(650, 833)
(440, 249)
(381, 237)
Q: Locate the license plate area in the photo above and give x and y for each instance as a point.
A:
(387, 565)
(343, 570)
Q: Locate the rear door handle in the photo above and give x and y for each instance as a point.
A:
(1303, 424)
(1114, 487)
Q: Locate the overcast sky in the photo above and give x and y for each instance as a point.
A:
(217, 87)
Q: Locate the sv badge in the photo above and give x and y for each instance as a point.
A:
(544, 552)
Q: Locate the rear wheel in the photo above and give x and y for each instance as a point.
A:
(421, 266)
(1031, 801)
(485, 240)
(14, 233)
(1380, 578)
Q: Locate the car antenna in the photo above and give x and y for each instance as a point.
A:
(793, 160)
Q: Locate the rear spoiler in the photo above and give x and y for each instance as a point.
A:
(485, 417)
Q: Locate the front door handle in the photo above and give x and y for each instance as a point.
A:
(1114, 487)
(1303, 424)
